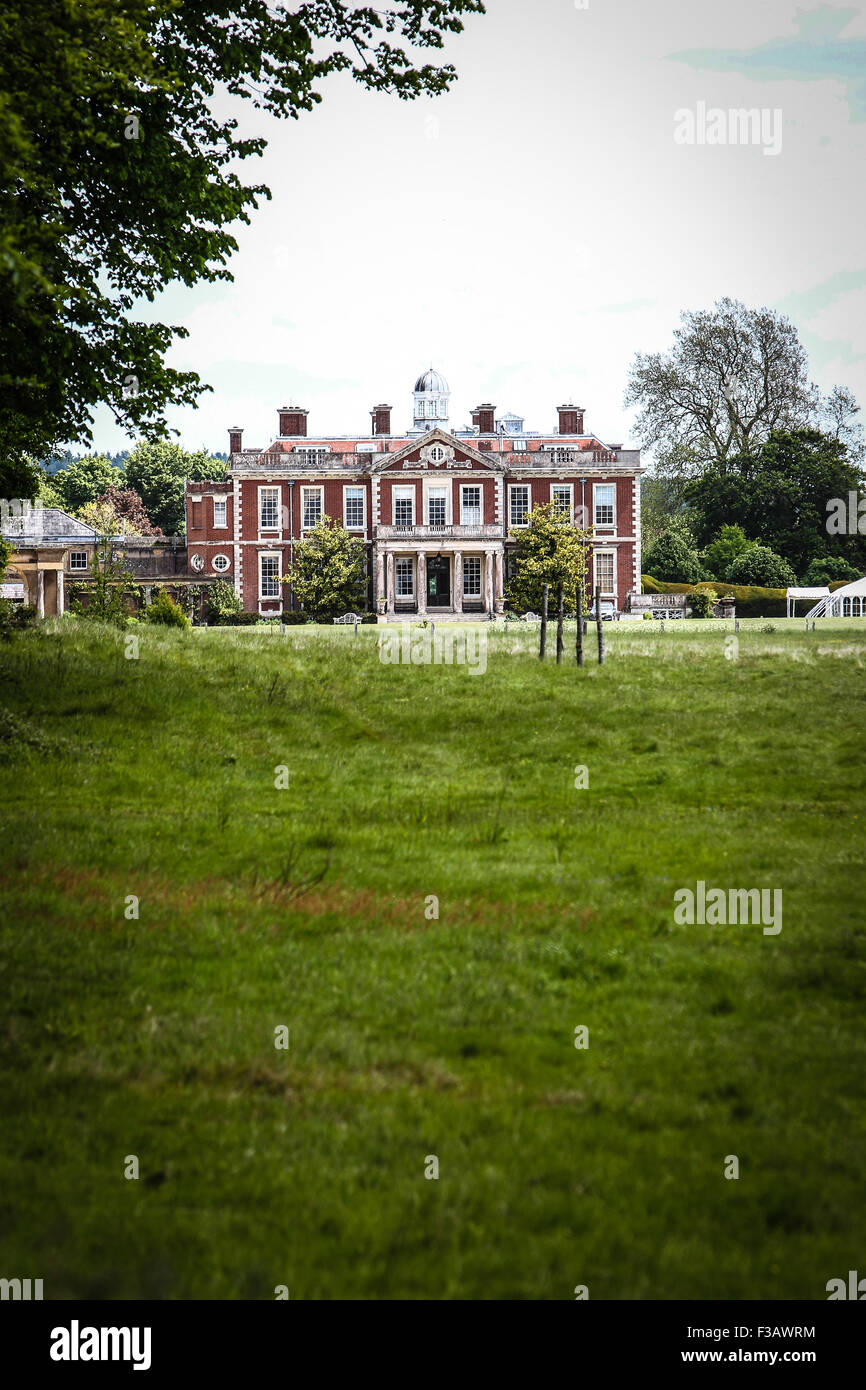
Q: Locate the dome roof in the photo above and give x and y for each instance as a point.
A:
(431, 381)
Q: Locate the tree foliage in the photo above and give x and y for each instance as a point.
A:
(119, 160)
(732, 376)
(85, 480)
(673, 560)
(47, 491)
(830, 568)
(662, 504)
(20, 476)
(839, 417)
(157, 472)
(550, 550)
(118, 512)
(328, 577)
(129, 511)
(761, 566)
(730, 542)
(780, 496)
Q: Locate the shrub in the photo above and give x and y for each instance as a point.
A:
(827, 568)
(243, 619)
(720, 554)
(15, 617)
(671, 558)
(760, 565)
(164, 610)
(222, 601)
(702, 601)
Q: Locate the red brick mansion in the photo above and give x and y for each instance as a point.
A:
(435, 506)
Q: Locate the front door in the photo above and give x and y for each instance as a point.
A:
(438, 581)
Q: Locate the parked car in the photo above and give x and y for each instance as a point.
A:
(608, 612)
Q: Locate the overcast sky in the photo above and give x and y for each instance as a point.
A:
(529, 232)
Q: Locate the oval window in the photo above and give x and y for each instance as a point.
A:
(221, 563)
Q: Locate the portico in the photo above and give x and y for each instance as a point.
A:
(438, 536)
(459, 577)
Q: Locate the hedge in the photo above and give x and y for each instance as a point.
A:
(235, 620)
(752, 601)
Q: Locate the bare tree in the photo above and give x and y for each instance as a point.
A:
(733, 375)
(839, 413)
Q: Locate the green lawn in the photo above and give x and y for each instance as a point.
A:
(411, 1035)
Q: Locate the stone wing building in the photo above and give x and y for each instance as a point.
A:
(49, 548)
(437, 507)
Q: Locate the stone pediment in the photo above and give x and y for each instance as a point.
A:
(435, 452)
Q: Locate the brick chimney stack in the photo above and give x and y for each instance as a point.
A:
(293, 420)
(485, 418)
(570, 419)
(235, 437)
(381, 419)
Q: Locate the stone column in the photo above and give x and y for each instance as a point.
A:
(458, 581)
(380, 575)
(421, 580)
(390, 586)
(61, 598)
(497, 575)
(488, 581)
(40, 593)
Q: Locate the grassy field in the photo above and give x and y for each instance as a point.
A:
(412, 1035)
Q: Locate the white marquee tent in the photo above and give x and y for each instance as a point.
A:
(847, 602)
(793, 595)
